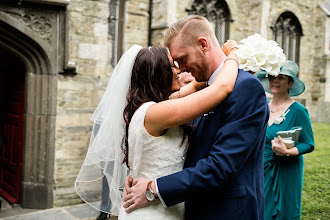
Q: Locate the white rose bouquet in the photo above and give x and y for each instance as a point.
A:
(257, 54)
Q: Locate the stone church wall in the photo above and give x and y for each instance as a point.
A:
(89, 51)
(78, 95)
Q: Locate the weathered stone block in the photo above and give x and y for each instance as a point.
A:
(93, 52)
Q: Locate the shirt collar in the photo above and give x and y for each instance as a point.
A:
(214, 75)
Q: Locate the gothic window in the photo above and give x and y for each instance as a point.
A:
(116, 29)
(217, 12)
(287, 32)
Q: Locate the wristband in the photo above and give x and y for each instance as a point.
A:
(231, 58)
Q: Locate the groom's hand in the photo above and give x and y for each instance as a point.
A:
(128, 185)
(136, 197)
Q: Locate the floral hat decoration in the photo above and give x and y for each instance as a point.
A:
(258, 54)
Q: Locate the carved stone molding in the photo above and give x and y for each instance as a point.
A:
(50, 2)
(40, 23)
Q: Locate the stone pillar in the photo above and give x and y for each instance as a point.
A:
(264, 19)
(163, 15)
(39, 150)
(321, 66)
(327, 53)
(136, 27)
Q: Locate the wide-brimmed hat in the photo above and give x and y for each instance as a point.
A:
(289, 68)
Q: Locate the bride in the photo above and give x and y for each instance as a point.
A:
(141, 130)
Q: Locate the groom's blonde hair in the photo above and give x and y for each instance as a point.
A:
(189, 29)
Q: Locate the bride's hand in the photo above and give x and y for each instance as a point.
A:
(229, 47)
(175, 95)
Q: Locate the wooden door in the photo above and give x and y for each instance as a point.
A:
(13, 129)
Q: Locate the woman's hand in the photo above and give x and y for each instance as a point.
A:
(279, 147)
(185, 78)
(229, 47)
(175, 95)
(188, 89)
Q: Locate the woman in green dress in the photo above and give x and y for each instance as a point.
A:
(283, 166)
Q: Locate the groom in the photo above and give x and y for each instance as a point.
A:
(223, 174)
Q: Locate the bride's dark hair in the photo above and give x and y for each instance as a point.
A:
(151, 80)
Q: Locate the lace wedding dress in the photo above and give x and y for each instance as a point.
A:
(154, 157)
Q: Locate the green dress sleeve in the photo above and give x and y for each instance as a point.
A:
(305, 143)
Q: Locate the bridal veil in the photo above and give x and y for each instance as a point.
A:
(105, 155)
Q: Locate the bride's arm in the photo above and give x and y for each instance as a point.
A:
(175, 112)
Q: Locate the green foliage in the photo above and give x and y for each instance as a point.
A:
(316, 188)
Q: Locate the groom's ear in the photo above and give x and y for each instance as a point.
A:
(204, 44)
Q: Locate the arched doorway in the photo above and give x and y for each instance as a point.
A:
(12, 102)
(34, 36)
(37, 164)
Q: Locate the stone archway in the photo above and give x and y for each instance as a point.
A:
(287, 32)
(36, 35)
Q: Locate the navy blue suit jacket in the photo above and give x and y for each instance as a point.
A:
(223, 175)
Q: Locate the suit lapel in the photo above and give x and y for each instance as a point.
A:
(195, 123)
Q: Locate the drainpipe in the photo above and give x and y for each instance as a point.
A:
(150, 22)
